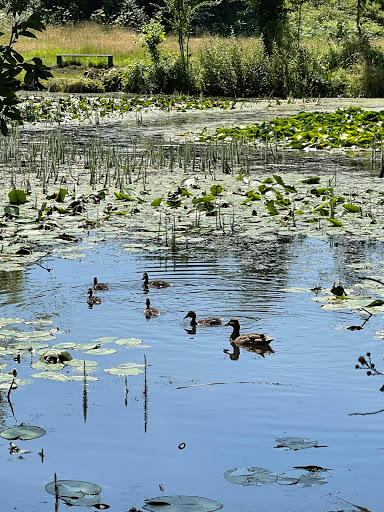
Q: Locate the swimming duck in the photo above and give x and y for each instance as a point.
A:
(150, 312)
(255, 339)
(155, 284)
(99, 286)
(203, 321)
(93, 299)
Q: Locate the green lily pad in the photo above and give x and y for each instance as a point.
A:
(105, 339)
(75, 492)
(10, 321)
(250, 476)
(78, 365)
(181, 503)
(50, 375)
(125, 369)
(101, 351)
(29, 345)
(130, 342)
(22, 433)
(87, 346)
(304, 479)
(63, 346)
(40, 365)
(295, 443)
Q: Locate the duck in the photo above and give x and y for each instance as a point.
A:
(203, 321)
(155, 284)
(254, 339)
(92, 299)
(99, 286)
(150, 312)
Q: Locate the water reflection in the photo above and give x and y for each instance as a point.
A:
(234, 356)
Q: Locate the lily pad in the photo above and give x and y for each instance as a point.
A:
(10, 321)
(50, 375)
(304, 479)
(23, 433)
(105, 339)
(295, 443)
(78, 365)
(75, 492)
(125, 369)
(250, 476)
(63, 346)
(40, 365)
(130, 342)
(101, 351)
(181, 503)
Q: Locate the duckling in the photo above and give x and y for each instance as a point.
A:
(150, 312)
(99, 286)
(255, 339)
(92, 299)
(203, 321)
(155, 284)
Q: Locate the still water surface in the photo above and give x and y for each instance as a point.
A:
(307, 388)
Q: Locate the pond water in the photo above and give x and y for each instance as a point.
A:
(130, 445)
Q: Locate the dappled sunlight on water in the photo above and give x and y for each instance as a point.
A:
(227, 411)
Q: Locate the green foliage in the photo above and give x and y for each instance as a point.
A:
(12, 63)
(152, 34)
(317, 130)
(17, 196)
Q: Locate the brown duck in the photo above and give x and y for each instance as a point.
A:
(99, 286)
(150, 312)
(254, 339)
(93, 299)
(155, 284)
(203, 321)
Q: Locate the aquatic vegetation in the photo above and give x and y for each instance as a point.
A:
(345, 128)
(180, 503)
(54, 109)
(76, 492)
(22, 432)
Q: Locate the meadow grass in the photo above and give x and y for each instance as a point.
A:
(93, 38)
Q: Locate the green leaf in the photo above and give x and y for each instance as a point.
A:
(23, 432)
(352, 208)
(270, 207)
(311, 181)
(180, 503)
(216, 190)
(279, 180)
(122, 196)
(12, 210)
(375, 303)
(17, 197)
(335, 222)
(250, 476)
(156, 202)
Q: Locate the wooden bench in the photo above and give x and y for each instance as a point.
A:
(59, 58)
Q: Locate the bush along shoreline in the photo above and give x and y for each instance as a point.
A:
(240, 68)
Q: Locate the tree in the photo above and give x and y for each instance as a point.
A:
(270, 18)
(182, 15)
(12, 63)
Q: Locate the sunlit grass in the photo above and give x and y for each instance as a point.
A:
(91, 38)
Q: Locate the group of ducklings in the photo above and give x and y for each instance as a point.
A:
(94, 299)
(254, 340)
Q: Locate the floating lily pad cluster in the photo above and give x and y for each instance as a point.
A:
(72, 107)
(344, 128)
